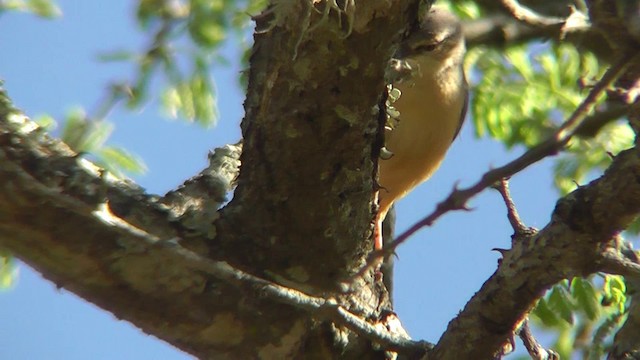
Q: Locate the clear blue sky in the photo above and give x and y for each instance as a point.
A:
(51, 66)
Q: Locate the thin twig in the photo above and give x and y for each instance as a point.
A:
(118, 91)
(458, 198)
(613, 261)
(535, 350)
(512, 213)
(602, 333)
(593, 123)
(529, 16)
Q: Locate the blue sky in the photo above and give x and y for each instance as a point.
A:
(50, 67)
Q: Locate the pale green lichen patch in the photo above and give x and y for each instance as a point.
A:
(346, 114)
(301, 68)
(298, 273)
(288, 342)
(225, 329)
(291, 131)
(353, 64)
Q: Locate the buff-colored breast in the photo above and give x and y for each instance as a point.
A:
(430, 113)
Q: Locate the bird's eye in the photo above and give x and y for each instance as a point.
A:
(426, 47)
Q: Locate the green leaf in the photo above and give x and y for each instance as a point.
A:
(253, 6)
(45, 121)
(75, 128)
(87, 136)
(207, 33)
(149, 10)
(44, 8)
(467, 9)
(561, 304)
(545, 314)
(118, 161)
(84, 135)
(634, 228)
(193, 99)
(565, 343)
(96, 136)
(586, 157)
(8, 271)
(614, 292)
(587, 298)
(140, 88)
(117, 55)
(186, 99)
(203, 99)
(518, 58)
(171, 101)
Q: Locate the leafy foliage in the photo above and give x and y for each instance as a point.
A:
(182, 33)
(186, 39)
(521, 94)
(583, 315)
(586, 157)
(42, 8)
(8, 271)
(464, 9)
(87, 136)
(191, 98)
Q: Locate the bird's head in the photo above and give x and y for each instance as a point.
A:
(436, 43)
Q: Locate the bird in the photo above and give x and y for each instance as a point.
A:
(428, 71)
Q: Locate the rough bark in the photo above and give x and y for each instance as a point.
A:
(148, 259)
(577, 242)
(215, 283)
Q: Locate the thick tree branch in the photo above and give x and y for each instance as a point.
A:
(578, 241)
(499, 28)
(326, 112)
(58, 210)
(582, 227)
(55, 218)
(120, 253)
(197, 201)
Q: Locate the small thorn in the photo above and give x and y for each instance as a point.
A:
(501, 251)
